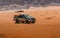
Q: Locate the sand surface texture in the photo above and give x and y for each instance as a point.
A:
(47, 24)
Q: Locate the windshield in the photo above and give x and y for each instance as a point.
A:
(29, 17)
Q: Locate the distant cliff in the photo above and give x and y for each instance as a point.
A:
(32, 2)
(13, 4)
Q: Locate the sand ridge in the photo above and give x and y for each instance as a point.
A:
(47, 25)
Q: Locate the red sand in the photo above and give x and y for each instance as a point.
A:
(43, 28)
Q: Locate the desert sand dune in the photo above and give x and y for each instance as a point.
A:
(47, 25)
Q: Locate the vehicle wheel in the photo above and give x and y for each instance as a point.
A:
(33, 22)
(17, 21)
(22, 21)
(27, 21)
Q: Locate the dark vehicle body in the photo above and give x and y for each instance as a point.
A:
(24, 18)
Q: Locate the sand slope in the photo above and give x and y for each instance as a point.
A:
(47, 25)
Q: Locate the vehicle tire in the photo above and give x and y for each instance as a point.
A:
(17, 21)
(27, 21)
(22, 21)
(33, 22)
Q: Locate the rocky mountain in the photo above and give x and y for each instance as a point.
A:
(12, 4)
(23, 2)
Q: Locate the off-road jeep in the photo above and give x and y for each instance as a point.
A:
(24, 18)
